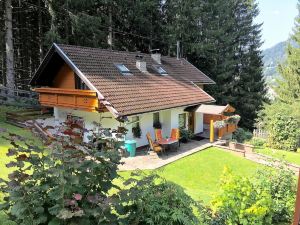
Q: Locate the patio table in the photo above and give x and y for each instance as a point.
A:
(167, 142)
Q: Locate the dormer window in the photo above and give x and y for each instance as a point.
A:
(123, 69)
(160, 70)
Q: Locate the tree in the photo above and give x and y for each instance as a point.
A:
(288, 89)
(10, 76)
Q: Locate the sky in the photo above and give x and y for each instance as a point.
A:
(277, 17)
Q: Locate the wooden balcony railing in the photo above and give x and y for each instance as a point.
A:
(70, 98)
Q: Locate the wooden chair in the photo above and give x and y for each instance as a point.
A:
(153, 146)
(175, 135)
(158, 134)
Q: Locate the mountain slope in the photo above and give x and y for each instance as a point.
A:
(271, 57)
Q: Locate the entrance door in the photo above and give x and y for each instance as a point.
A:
(191, 121)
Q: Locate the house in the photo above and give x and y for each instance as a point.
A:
(111, 87)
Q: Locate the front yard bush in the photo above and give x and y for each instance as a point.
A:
(281, 186)
(241, 202)
(153, 200)
(241, 135)
(265, 199)
(63, 184)
(284, 132)
(258, 142)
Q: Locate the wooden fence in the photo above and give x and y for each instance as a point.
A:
(260, 133)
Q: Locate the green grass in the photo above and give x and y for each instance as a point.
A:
(199, 174)
(291, 157)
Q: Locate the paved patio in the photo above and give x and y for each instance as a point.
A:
(144, 161)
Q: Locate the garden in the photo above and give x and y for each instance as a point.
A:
(53, 187)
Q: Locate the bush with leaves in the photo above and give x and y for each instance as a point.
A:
(185, 135)
(266, 198)
(65, 183)
(258, 142)
(153, 200)
(241, 202)
(241, 135)
(281, 185)
(284, 132)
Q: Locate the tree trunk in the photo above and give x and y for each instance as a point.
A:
(10, 76)
(40, 39)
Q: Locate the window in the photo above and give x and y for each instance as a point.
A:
(123, 69)
(160, 70)
(79, 84)
(156, 121)
(182, 120)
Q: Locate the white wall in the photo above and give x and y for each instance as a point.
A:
(198, 122)
(168, 119)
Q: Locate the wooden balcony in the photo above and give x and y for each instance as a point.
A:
(69, 98)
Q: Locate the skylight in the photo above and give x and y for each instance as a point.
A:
(123, 69)
(160, 70)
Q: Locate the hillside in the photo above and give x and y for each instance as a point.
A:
(271, 57)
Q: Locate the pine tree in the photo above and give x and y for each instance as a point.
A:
(248, 89)
(288, 89)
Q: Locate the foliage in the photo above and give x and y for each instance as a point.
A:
(281, 186)
(284, 132)
(288, 88)
(266, 198)
(64, 183)
(219, 124)
(153, 200)
(257, 142)
(282, 117)
(136, 131)
(185, 134)
(242, 202)
(234, 119)
(241, 135)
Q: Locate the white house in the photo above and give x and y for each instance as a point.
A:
(110, 87)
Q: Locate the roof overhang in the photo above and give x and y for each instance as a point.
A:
(215, 109)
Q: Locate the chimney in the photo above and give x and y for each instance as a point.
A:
(156, 56)
(140, 63)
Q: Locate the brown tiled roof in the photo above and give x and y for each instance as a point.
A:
(139, 92)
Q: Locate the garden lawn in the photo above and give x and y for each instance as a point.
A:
(291, 157)
(199, 174)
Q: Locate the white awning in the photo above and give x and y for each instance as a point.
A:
(215, 109)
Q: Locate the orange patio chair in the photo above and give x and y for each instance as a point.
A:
(153, 146)
(158, 135)
(175, 135)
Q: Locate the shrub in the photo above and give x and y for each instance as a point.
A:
(241, 202)
(153, 200)
(281, 186)
(63, 184)
(284, 132)
(185, 134)
(258, 142)
(266, 198)
(241, 135)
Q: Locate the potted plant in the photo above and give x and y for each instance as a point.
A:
(136, 131)
(219, 124)
(157, 125)
(233, 119)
